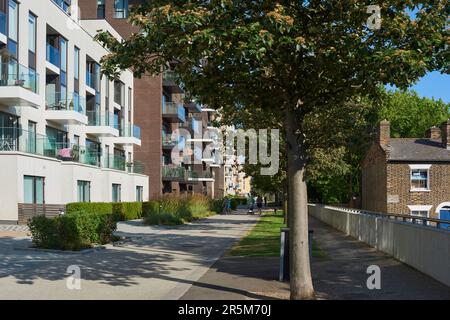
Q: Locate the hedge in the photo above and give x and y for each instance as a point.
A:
(174, 210)
(122, 211)
(72, 231)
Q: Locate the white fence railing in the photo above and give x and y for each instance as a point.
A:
(425, 248)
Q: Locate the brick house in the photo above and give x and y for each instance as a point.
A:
(408, 176)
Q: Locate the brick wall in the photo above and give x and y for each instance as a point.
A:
(399, 184)
(373, 180)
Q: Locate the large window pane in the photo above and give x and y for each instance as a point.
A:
(28, 189)
(39, 190)
(13, 10)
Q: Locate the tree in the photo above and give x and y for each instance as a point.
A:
(411, 116)
(292, 59)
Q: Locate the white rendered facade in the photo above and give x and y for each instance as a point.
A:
(66, 135)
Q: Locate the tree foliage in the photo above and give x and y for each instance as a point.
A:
(295, 61)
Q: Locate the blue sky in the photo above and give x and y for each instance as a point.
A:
(434, 85)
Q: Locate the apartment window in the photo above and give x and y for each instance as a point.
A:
(33, 190)
(116, 193)
(101, 9)
(119, 91)
(76, 67)
(420, 177)
(63, 4)
(121, 9)
(139, 193)
(13, 28)
(31, 137)
(84, 191)
(130, 105)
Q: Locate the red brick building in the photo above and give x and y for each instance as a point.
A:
(408, 176)
(159, 110)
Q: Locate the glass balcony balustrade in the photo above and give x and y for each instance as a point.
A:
(53, 55)
(13, 74)
(57, 101)
(100, 119)
(3, 23)
(174, 109)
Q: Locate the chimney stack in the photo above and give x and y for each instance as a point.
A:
(445, 132)
(433, 133)
(384, 134)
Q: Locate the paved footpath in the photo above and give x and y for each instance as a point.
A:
(341, 274)
(153, 263)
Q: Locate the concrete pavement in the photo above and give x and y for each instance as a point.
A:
(152, 263)
(341, 275)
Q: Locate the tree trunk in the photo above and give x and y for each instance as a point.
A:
(300, 272)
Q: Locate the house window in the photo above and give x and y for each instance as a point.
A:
(101, 9)
(84, 191)
(33, 188)
(116, 193)
(139, 193)
(420, 177)
(420, 211)
(121, 9)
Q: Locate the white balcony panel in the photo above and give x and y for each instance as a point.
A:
(66, 117)
(102, 131)
(50, 66)
(18, 96)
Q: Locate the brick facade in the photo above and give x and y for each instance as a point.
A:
(386, 183)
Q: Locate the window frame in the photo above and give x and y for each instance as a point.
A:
(34, 187)
(421, 167)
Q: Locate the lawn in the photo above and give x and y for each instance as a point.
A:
(264, 239)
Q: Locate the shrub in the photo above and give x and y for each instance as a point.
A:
(234, 203)
(124, 211)
(174, 210)
(216, 205)
(90, 207)
(72, 231)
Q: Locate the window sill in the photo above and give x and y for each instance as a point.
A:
(420, 190)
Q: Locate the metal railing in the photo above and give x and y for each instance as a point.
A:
(13, 74)
(418, 220)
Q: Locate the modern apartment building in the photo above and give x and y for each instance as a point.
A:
(160, 109)
(66, 133)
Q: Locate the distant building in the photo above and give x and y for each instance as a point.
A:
(408, 176)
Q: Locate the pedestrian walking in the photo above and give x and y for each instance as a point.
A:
(259, 202)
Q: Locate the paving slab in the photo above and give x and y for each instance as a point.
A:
(152, 263)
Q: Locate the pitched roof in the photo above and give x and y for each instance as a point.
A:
(418, 149)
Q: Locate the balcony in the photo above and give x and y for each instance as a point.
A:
(173, 173)
(168, 142)
(90, 83)
(66, 110)
(194, 107)
(19, 86)
(174, 111)
(101, 124)
(200, 176)
(170, 82)
(129, 135)
(192, 125)
(3, 27)
(53, 59)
